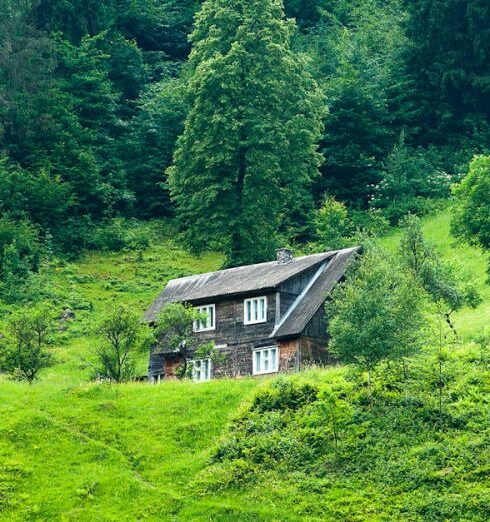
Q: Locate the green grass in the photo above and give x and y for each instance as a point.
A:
(75, 450)
(102, 452)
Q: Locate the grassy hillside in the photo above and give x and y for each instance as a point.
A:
(74, 450)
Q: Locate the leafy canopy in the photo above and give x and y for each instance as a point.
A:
(376, 314)
(25, 351)
(471, 218)
(245, 162)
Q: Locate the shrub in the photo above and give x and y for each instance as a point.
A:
(122, 338)
(284, 394)
(333, 225)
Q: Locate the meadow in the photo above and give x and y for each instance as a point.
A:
(71, 449)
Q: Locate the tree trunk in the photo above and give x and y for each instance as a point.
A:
(236, 254)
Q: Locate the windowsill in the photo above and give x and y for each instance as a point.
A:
(254, 322)
(264, 373)
(205, 330)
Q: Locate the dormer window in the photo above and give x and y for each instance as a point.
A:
(255, 310)
(208, 322)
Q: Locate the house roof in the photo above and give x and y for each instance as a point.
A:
(234, 281)
(308, 303)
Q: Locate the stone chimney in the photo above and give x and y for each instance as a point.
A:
(284, 255)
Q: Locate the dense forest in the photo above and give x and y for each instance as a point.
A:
(237, 125)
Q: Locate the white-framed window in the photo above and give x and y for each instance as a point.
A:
(201, 370)
(265, 360)
(255, 310)
(209, 322)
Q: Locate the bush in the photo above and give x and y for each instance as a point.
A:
(376, 314)
(39, 197)
(119, 234)
(333, 225)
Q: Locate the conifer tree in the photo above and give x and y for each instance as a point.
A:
(245, 161)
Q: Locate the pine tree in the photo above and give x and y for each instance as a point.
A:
(244, 164)
(448, 59)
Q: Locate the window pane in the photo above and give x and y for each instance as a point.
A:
(211, 317)
(206, 369)
(273, 359)
(262, 309)
(256, 310)
(257, 362)
(265, 359)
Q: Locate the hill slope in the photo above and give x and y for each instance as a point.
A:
(73, 450)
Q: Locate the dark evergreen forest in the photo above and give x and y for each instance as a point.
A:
(95, 94)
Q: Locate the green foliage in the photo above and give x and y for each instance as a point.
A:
(175, 326)
(447, 60)
(471, 218)
(376, 315)
(25, 352)
(174, 332)
(39, 197)
(122, 337)
(390, 449)
(20, 256)
(441, 281)
(333, 226)
(394, 462)
(357, 47)
(410, 181)
(337, 227)
(245, 162)
(154, 132)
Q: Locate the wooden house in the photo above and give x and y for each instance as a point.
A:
(264, 318)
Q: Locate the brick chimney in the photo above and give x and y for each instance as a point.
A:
(284, 255)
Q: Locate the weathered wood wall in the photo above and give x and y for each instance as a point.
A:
(237, 340)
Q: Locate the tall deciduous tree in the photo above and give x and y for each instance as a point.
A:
(246, 159)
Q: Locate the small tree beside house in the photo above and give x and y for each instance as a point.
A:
(441, 281)
(376, 315)
(174, 333)
(122, 337)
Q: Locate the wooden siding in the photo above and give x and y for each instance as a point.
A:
(289, 356)
(171, 367)
(230, 328)
(314, 351)
(317, 327)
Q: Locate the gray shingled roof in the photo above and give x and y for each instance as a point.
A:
(233, 281)
(307, 304)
